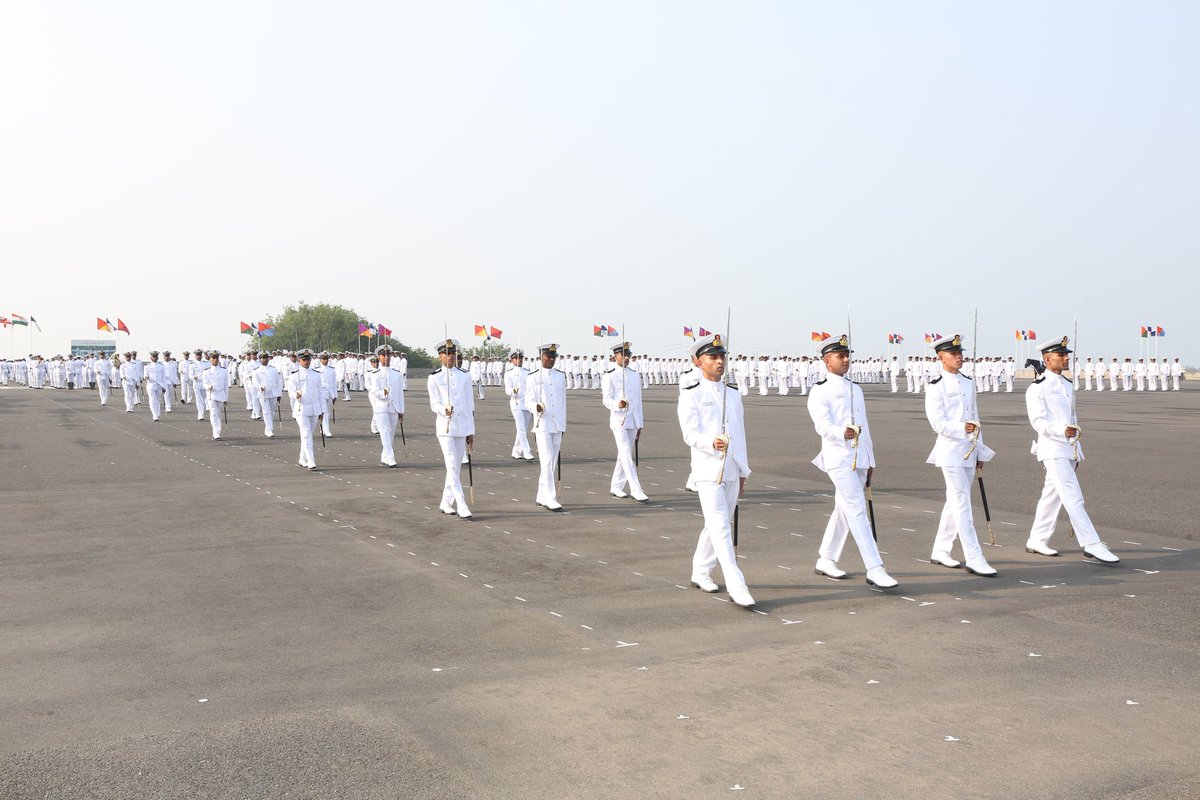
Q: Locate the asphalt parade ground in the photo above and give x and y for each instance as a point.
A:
(184, 618)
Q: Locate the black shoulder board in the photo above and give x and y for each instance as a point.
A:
(968, 377)
(823, 380)
(435, 372)
(533, 372)
(732, 385)
(693, 386)
(935, 380)
(460, 369)
(1039, 380)
(610, 369)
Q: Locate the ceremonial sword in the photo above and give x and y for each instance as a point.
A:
(987, 513)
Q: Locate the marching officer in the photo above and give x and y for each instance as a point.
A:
(1050, 403)
(710, 418)
(546, 399)
(514, 386)
(215, 379)
(953, 412)
(385, 388)
(847, 456)
(453, 405)
(621, 393)
(305, 386)
(268, 388)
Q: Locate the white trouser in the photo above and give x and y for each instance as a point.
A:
(715, 546)
(130, 394)
(523, 420)
(266, 407)
(249, 399)
(185, 389)
(454, 448)
(625, 470)
(154, 394)
(849, 516)
(1112, 383)
(103, 387)
(1062, 490)
(912, 384)
(201, 400)
(216, 410)
(894, 387)
(385, 422)
(479, 389)
(327, 417)
(168, 397)
(307, 424)
(1141, 383)
(346, 389)
(957, 518)
(1175, 379)
(548, 445)
(258, 404)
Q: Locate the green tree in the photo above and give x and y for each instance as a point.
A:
(329, 327)
(489, 349)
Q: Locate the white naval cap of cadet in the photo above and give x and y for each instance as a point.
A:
(1056, 346)
(713, 343)
(951, 342)
(448, 346)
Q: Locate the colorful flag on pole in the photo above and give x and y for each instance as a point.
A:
(33, 319)
(612, 331)
(17, 319)
(1160, 331)
(495, 332)
(899, 338)
(247, 328)
(5, 322)
(103, 324)
(266, 329)
(122, 327)
(705, 333)
(688, 333)
(481, 331)
(816, 336)
(1031, 335)
(383, 329)
(596, 331)
(364, 329)
(928, 338)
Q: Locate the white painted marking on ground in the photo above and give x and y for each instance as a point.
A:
(586, 627)
(1173, 549)
(626, 644)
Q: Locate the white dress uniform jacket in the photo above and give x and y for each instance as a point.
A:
(549, 388)
(700, 421)
(1050, 402)
(950, 402)
(829, 405)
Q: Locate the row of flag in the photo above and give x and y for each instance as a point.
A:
(14, 320)
(605, 330)
(373, 329)
(689, 333)
(895, 338)
(102, 324)
(1153, 330)
(1026, 336)
(488, 332)
(258, 328)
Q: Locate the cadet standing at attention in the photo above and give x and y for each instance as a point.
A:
(453, 405)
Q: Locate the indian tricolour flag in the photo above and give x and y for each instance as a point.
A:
(17, 319)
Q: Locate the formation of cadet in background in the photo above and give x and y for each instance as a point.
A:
(711, 385)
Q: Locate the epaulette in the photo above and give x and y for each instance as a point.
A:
(534, 371)
(376, 369)
(460, 369)
(823, 380)
(935, 380)
(693, 386)
(611, 369)
(559, 371)
(732, 385)
(1039, 380)
(968, 377)
(435, 372)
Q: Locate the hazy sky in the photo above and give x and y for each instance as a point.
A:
(546, 166)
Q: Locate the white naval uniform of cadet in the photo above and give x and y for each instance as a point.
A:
(268, 385)
(829, 405)
(216, 387)
(329, 394)
(305, 388)
(385, 388)
(1049, 401)
(617, 384)
(156, 384)
(700, 421)
(950, 402)
(514, 388)
(129, 384)
(197, 378)
(451, 387)
(102, 371)
(547, 387)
